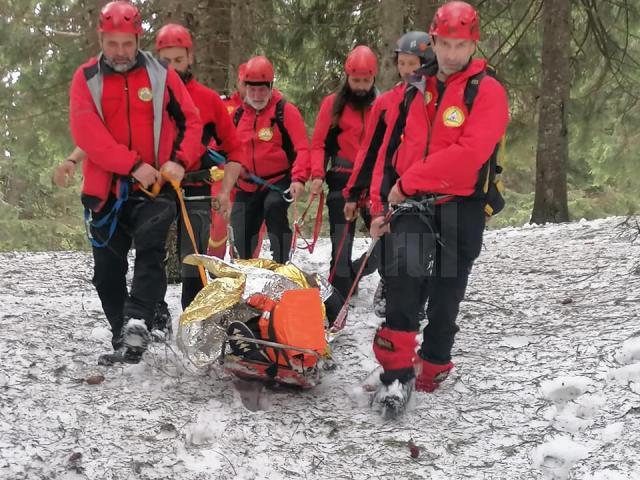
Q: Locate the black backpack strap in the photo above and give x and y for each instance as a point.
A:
(287, 144)
(238, 115)
(473, 84)
(471, 89)
(485, 186)
(390, 176)
(331, 146)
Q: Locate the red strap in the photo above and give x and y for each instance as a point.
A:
(310, 246)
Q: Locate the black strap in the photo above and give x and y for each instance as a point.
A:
(471, 89)
(390, 175)
(287, 144)
(238, 115)
(331, 143)
(490, 168)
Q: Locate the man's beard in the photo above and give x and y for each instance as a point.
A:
(185, 76)
(359, 99)
(256, 105)
(118, 66)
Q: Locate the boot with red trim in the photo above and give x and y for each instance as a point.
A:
(430, 375)
(395, 350)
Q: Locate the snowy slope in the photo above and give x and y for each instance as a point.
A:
(546, 385)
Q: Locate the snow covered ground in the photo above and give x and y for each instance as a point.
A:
(546, 385)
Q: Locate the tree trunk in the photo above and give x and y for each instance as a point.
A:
(88, 13)
(391, 27)
(423, 12)
(243, 42)
(212, 36)
(550, 203)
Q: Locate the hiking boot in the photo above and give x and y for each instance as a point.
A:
(391, 399)
(135, 339)
(161, 326)
(247, 350)
(121, 354)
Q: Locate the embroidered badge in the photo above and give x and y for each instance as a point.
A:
(265, 134)
(428, 96)
(453, 117)
(145, 94)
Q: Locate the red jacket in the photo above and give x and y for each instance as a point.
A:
(457, 142)
(360, 179)
(218, 129)
(351, 127)
(262, 151)
(118, 119)
(232, 102)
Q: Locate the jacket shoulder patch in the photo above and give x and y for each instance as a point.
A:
(453, 117)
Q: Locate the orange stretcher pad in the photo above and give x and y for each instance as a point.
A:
(291, 337)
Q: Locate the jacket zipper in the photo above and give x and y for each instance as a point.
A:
(126, 94)
(435, 115)
(253, 143)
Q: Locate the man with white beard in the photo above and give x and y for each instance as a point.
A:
(275, 155)
(138, 126)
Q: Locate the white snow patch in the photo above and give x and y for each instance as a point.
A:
(630, 352)
(624, 375)
(101, 334)
(564, 389)
(612, 432)
(607, 475)
(201, 461)
(208, 427)
(516, 341)
(556, 457)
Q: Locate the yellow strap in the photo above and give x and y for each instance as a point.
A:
(155, 190)
(185, 218)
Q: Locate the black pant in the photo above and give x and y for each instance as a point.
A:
(346, 270)
(250, 209)
(145, 222)
(200, 217)
(432, 254)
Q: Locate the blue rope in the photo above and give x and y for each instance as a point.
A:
(112, 216)
(219, 159)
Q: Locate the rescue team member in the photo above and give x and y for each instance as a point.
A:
(275, 152)
(337, 137)
(235, 100)
(412, 51)
(218, 234)
(458, 143)
(174, 45)
(134, 119)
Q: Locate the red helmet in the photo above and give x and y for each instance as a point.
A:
(361, 62)
(456, 20)
(120, 17)
(259, 69)
(242, 68)
(173, 35)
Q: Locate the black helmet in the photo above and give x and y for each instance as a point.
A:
(416, 43)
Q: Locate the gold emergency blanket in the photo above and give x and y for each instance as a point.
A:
(203, 324)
